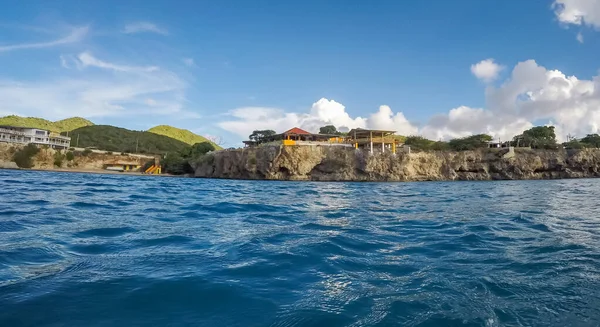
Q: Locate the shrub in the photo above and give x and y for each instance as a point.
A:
(86, 152)
(175, 164)
(123, 153)
(418, 143)
(24, 157)
(58, 159)
(574, 144)
(109, 153)
(591, 140)
(70, 156)
(470, 142)
(440, 146)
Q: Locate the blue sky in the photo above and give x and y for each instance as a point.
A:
(223, 68)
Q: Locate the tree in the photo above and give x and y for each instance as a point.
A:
(259, 136)
(174, 163)
(197, 150)
(418, 143)
(216, 140)
(58, 159)
(440, 146)
(591, 140)
(573, 144)
(539, 137)
(329, 130)
(470, 142)
(24, 157)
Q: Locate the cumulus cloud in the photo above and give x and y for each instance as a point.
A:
(578, 12)
(144, 27)
(76, 35)
(532, 95)
(486, 70)
(385, 119)
(323, 112)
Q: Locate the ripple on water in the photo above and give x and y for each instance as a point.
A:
(86, 205)
(10, 226)
(239, 253)
(172, 240)
(105, 232)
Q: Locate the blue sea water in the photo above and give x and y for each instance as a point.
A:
(106, 250)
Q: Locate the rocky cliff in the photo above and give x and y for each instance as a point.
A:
(346, 164)
(45, 159)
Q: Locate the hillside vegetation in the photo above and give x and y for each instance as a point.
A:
(179, 134)
(117, 139)
(65, 125)
(69, 124)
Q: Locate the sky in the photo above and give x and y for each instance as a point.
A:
(437, 68)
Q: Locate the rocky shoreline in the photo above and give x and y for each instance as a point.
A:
(322, 163)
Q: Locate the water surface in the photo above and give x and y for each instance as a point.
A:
(106, 250)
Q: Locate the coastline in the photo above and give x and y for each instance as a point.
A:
(94, 171)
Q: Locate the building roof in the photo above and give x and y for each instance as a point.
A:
(297, 131)
(361, 132)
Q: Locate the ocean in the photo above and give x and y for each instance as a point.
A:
(109, 250)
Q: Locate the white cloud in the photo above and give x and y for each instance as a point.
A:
(578, 12)
(486, 70)
(580, 37)
(323, 112)
(86, 59)
(76, 35)
(144, 27)
(532, 95)
(386, 120)
(189, 62)
(63, 62)
(113, 90)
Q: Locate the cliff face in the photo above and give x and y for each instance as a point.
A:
(344, 164)
(45, 159)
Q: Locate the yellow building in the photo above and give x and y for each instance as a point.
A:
(368, 139)
(373, 140)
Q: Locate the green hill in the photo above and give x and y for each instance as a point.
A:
(117, 139)
(182, 135)
(69, 124)
(65, 125)
(157, 140)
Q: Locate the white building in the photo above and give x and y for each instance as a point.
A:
(35, 136)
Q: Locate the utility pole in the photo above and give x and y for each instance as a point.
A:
(77, 140)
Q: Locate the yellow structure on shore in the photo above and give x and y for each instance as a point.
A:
(154, 170)
(369, 139)
(122, 166)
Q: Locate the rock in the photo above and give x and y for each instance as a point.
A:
(8, 165)
(324, 163)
